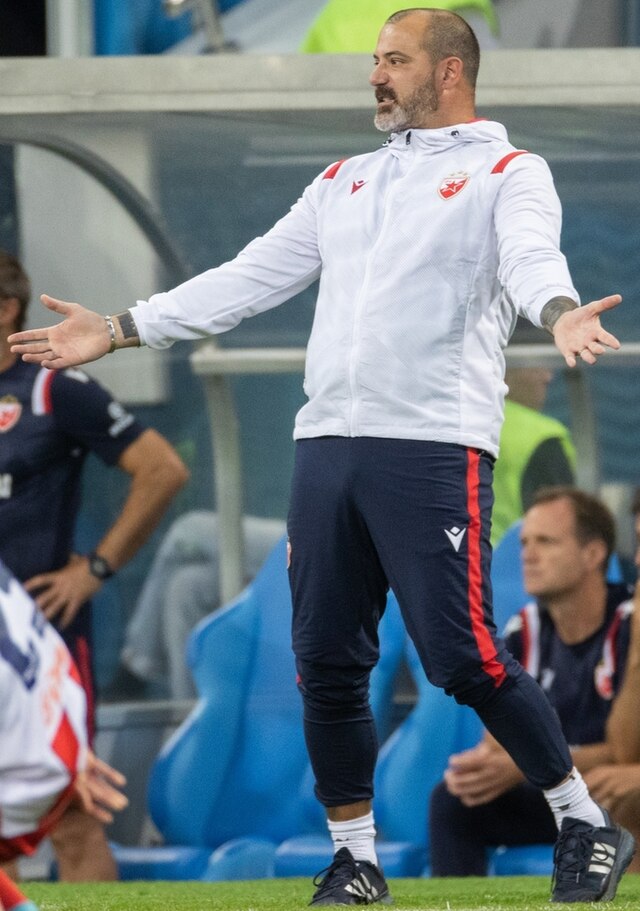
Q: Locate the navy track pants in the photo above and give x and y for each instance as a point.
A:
(367, 514)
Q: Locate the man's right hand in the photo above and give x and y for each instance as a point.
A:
(481, 774)
(81, 337)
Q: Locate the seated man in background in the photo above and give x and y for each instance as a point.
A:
(182, 587)
(573, 639)
(45, 762)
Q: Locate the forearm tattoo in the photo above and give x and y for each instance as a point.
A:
(128, 326)
(553, 310)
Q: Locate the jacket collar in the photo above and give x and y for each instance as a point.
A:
(446, 137)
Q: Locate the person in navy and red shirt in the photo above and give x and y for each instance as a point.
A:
(573, 638)
(49, 422)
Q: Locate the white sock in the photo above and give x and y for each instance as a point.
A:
(358, 835)
(571, 798)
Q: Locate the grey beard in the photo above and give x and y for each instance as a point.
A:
(391, 122)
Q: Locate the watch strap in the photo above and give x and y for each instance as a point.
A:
(99, 566)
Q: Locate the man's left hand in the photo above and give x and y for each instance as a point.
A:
(579, 334)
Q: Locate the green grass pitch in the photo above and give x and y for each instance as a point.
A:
(524, 893)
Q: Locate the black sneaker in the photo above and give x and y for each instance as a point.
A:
(589, 861)
(350, 882)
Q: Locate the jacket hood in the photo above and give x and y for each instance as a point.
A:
(445, 137)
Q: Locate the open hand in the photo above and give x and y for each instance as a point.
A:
(81, 337)
(579, 334)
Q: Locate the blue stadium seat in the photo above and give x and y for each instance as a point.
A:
(231, 769)
(123, 27)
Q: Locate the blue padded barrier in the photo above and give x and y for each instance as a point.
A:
(527, 860)
(242, 858)
(160, 863)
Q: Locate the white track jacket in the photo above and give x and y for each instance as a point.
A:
(426, 251)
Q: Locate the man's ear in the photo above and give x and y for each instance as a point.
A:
(451, 72)
(596, 553)
(9, 311)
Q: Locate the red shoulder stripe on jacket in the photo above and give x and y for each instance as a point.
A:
(331, 172)
(501, 165)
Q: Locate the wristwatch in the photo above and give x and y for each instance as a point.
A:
(99, 567)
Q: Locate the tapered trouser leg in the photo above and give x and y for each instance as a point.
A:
(371, 513)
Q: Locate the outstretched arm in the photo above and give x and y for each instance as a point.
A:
(577, 331)
(81, 337)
